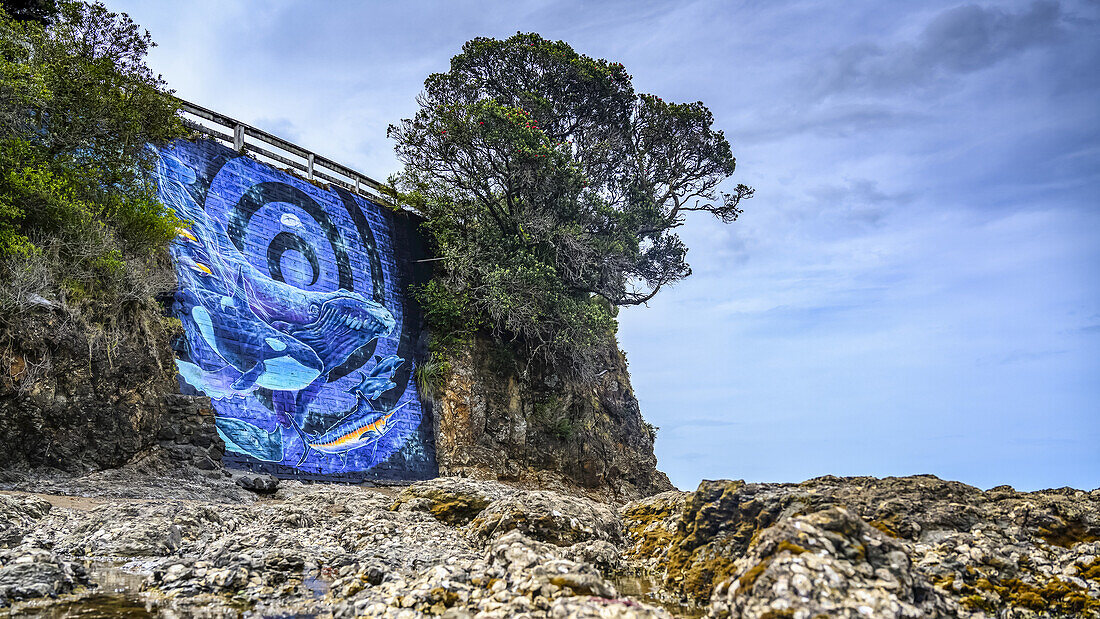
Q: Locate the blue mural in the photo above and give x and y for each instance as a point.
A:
(296, 322)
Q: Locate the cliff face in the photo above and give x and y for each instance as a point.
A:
(80, 398)
(544, 429)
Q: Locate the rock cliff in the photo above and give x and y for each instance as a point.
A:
(495, 423)
(76, 396)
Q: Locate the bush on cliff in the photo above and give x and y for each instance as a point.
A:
(79, 218)
(552, 191)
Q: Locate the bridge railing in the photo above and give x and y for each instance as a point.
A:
(312, 166)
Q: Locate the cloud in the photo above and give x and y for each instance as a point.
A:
(861, 201)
(957, 41)
(700, 423)
(279, 127)
(838, 120)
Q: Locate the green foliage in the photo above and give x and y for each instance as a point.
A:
(451, 315)
(41, 11)
(552, 190)
(430, 375)
(562, 429)
(552, 417)
(78, 110)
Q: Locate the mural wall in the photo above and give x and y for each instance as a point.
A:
(297, 321)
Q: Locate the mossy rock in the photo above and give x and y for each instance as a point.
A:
(452, 500)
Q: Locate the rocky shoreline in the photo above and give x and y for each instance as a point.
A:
(198, 543)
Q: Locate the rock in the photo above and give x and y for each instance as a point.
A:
(453, 500)
(517, 576)
(18, 513)
(828, 563)
(716, 525)
(997, 552)
(138, 529)
(27, 573)
(533, 427)
(260, 484)
(74, 403)
(549, 517)
(830, 546)
(650, 526)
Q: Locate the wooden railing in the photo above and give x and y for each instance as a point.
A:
(311, 165)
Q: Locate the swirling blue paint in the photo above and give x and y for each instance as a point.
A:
(270, 317)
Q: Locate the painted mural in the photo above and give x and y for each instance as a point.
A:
(296, 322)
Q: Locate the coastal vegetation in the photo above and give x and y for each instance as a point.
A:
(553, 190)
(79, 218)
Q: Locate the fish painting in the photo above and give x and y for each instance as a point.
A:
(362, 427)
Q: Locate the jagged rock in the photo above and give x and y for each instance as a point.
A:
(548, 517)
(999, 552)
(17, 514)
(716, 526)
(910, 507)
(533, 427)
(261, 484)
(602, 554)
(138, 529)
(453, 500)
(650, 527)
(827, 563)
(69, 400)
(32, 573)
(517, 576)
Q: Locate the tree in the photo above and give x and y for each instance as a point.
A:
(553, 190)
(78, 110)
(41, 11)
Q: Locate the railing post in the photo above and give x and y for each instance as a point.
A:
(309, 166)
(357, 185)
(238, 138)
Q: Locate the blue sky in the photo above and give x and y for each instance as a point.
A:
(916, 286)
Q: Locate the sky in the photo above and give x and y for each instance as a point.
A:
(915, 287)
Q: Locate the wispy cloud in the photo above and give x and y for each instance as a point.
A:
(955, 42)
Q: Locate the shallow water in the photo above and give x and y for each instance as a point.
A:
(648, 590)
(115, 596)
(118, 595)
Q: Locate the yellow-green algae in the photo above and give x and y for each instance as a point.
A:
(991, 594)
(1066, 534)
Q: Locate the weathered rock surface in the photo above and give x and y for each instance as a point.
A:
(345, 551)
(453, 500)
(18, 514)
(544, 429)
(78, 399)
(548, 517)
(829, 547)
(516, 576)
(827, 563)
(27, 573)
(997, 552)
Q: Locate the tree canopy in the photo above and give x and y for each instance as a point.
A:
(553, 191)
(78, 109)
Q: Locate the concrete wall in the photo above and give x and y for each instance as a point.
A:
(298, 319)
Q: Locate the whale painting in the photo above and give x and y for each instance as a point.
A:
(296, 318)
